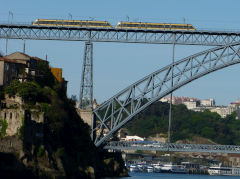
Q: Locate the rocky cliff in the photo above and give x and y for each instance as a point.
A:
(43, 136)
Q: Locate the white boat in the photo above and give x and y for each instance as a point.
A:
(169, 168)
(133, 168)
(157, 168)
(219, 170)
(149, 169)
(141, 167)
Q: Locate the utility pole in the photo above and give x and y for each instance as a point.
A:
(24, 46)
(171, 96)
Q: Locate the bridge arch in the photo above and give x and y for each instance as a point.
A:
(114, 113)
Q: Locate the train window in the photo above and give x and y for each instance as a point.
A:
(158, 26)
(83, 23)
(98, 24)
(42, 22)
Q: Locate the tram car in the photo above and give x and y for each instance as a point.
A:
(72, 23)
(154, 26)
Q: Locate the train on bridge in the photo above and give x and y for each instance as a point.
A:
(120, 25)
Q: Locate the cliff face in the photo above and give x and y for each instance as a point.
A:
(43, 136)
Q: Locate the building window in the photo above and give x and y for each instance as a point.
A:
(7, 66)
(10, 115)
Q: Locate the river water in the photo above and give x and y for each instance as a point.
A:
(173, 176)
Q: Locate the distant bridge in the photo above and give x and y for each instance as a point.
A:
(172, 147)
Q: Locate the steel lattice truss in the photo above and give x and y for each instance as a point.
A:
(118, 35)
(86, 88)
(121, 108)
(157, 146)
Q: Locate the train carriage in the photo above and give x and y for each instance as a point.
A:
(72, 23)
(156, 26)
(120, 25)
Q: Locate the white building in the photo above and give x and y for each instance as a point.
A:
(207, 102)
(223, 111)
(190, 104)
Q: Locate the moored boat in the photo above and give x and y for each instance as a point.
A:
(219, 170)
(169, 168)
(133, 168)
(149, 169)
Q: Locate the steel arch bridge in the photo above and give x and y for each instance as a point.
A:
(121, 108)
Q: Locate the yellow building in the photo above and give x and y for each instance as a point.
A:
(57, 73)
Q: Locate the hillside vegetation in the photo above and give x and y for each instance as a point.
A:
(186, 124)
(66, 149)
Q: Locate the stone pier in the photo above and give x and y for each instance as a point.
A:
(86, 115)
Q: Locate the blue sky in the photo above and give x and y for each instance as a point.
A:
(118, 65)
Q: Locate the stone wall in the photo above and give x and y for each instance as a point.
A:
(11, 145)
(14, 119)
(13, 112)
(86, 116)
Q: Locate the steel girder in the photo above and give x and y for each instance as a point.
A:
(121, 108)
(118, 35)
(158, 146)
(86, 88)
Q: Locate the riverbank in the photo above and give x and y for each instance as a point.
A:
(173, 176)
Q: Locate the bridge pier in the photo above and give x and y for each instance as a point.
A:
(86, 115)
(86, 88)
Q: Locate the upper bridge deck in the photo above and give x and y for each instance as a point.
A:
(35, 32)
